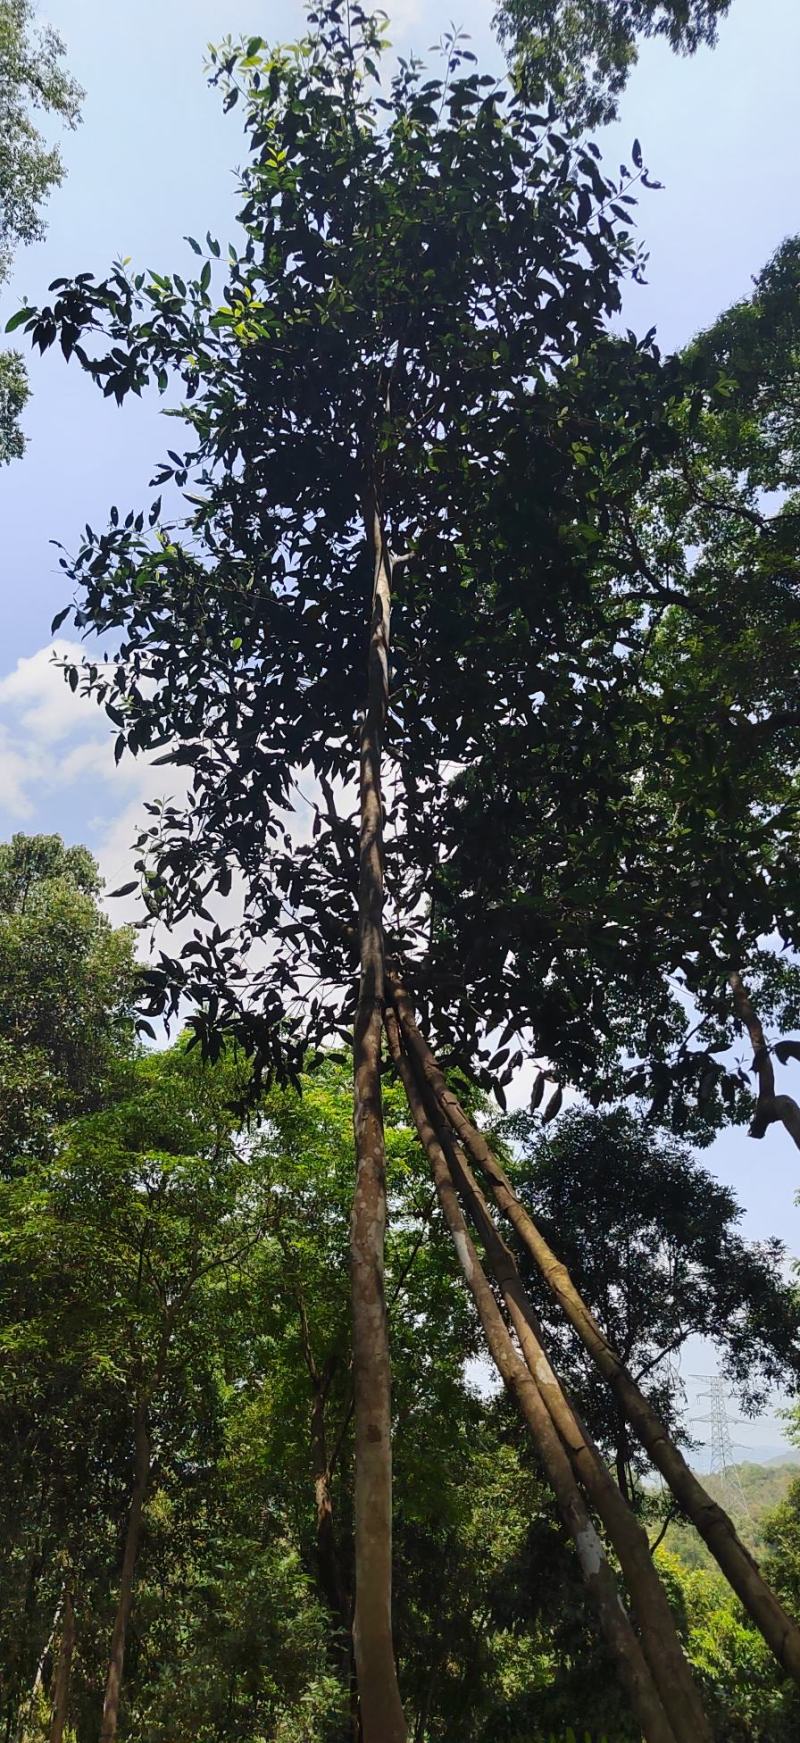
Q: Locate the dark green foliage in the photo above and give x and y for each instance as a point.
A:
(651, 1242)
(579, 53)
(626, 863)
(764, 1488)
(591, 756)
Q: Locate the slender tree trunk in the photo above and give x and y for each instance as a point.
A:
(133, 1536)
(521, 1383)
(662, 1647)
(381, 1711)
(713, 1524)
(330, 1576)
(26, 1714)
(769, 1106)
(63, 1674)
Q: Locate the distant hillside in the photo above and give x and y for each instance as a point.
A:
(749, 1493)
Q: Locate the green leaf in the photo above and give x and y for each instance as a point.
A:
(18, 319)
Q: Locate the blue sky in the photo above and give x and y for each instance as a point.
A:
(153, 162)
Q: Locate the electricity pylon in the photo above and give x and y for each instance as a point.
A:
(723, 1464)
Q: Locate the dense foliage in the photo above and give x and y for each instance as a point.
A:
(66, 1022)
(160, 1254)
(650, 1238)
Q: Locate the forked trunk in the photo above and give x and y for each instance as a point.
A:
(522, 1384)
(381, 1711)
(133, 1537)
(713, 1524)
(63, 1676)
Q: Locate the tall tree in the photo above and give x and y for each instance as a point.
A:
(32, 78)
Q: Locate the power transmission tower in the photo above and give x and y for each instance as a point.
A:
(723, 1464)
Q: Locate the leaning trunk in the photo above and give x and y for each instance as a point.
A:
(63, 1675)
(522, 1384)
(662, 1648)
(381, 1712)
(712, 1522)
(133, 1537)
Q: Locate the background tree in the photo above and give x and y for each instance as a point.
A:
(66, 1016)
(32, 78)
(650, 1239)
(580, 53)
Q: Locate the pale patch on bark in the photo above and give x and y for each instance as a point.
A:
(590, 1550)
(463, 1249)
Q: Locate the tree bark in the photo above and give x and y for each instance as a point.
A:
(769, 1106)
(662, 1648)
(522, 1384)
(63, 1675)
(715, 1527)
(133, 1537)
(381, 1711)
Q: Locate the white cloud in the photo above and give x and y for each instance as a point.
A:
(54, 738)
(15, 775)
(40, 721)
(57, 749)
(38, 694)
(58, 773)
